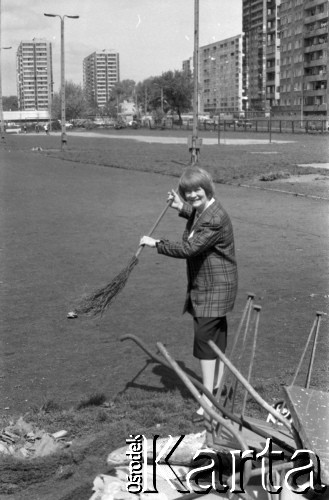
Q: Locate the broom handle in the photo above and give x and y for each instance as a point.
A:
(169, 202)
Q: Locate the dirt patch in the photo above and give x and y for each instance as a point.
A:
(310, 185)
(316, 185)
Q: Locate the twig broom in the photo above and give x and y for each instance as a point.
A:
(97, 302)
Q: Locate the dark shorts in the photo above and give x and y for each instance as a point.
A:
(205, 329)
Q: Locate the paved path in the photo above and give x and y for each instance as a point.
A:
(315, 165)
(207, 141)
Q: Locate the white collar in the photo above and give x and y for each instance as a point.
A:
(210, 202)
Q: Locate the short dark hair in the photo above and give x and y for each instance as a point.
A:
(193, 178)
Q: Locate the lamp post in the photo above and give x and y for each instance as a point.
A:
(1, 105)
(302, 106)
(63, 127)
(50, 101)
(194, 142)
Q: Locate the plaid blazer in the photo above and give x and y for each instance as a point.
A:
(211, 265)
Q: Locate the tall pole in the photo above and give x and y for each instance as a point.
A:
(2, 124)
(1, 106)
(63, 119)
(302, 104)
(50, 104)
(195, 143)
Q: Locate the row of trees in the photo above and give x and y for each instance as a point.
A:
(172, 91)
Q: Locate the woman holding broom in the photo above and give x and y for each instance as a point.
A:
(208, 247)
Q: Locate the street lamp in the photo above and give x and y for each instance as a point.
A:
(302, 105)
(1, 105)
(194, 141)
(50, 102)
(63, 136)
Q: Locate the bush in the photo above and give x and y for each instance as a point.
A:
(272, 176)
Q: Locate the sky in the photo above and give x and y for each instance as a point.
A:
(151, 36)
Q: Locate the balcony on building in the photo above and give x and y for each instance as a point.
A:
(316, 18)
(317, 93)
(270, 49)
(314, 78)
(315, 46)
(314, 63)
(320, 85)
(315, 108)
(316, 29)
(313, 3)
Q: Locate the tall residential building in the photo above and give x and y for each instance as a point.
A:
(304, 57)
(187, 66)
(220, 75)
(261, 49)
(34, 74)
(101, 71)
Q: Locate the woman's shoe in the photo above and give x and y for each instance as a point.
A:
(223, 393)
(197, 417)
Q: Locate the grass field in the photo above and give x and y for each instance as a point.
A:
(72, 220)
(229, 161)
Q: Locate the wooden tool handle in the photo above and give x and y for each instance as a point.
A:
(155, 225)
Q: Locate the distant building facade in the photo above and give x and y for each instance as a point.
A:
(261, 49)
(220, 76)
(285, 63)
(187, 66)
(101, 70)
(34, 75)
(304, 57)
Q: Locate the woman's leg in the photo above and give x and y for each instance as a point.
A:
(219, 371)
(208, 367)
(211, 369)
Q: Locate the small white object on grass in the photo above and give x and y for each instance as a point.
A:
(72, 314)
(59, 434)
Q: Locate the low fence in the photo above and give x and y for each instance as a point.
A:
(255, 125)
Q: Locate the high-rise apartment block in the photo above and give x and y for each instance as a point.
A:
(220, 75)
(304, 56)
(285, 64)
(261, 49)
(187, 66)
(34, 74)
(101, 71)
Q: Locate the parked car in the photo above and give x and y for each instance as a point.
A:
(120, 124)
(134, 124)
(13, 128)
(242, 123)
(109, 123)
(315, 126)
